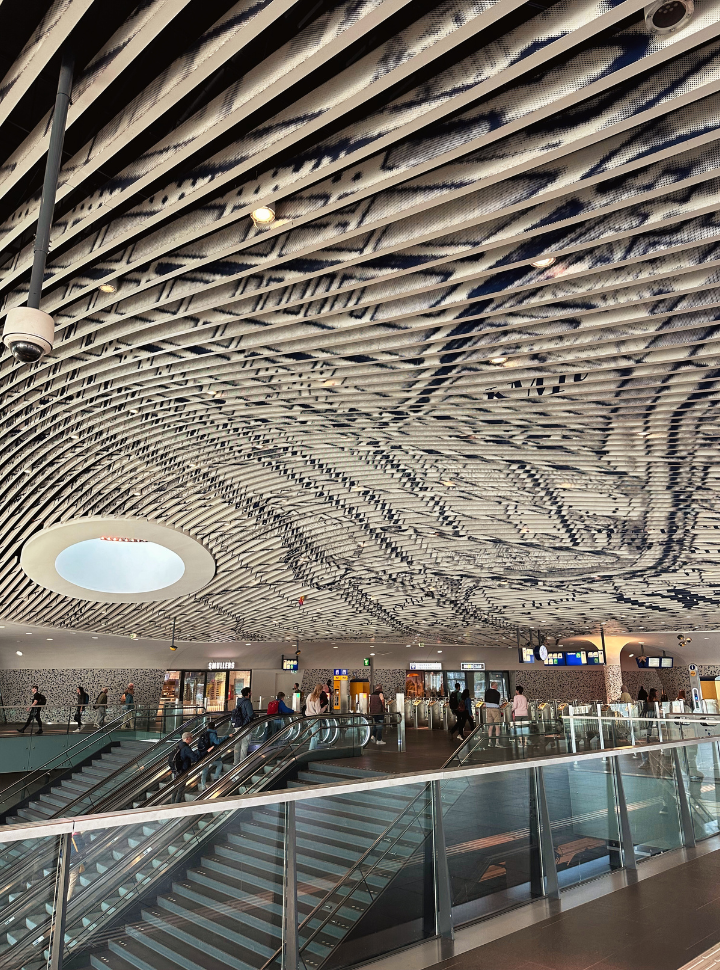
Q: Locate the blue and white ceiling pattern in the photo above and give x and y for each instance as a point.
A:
(380, 414)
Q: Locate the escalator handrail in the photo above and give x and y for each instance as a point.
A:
(258, 757)
(451, 761)
(161, 756)
(84, 741)
(85, 901)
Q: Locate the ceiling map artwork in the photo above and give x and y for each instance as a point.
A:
(409, 312)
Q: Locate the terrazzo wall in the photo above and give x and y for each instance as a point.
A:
(59, 687)
(550, 683)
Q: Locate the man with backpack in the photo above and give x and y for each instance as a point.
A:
(83, 699)
(455, 704)
(242, 716)
(207, 742)
(278, 706)
(181, 760)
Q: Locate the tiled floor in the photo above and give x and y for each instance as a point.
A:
(424, 750)
(662, 923)
(708, 961)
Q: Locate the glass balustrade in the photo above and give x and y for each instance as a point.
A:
(329, 877)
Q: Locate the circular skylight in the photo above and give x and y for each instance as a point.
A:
(119, 566)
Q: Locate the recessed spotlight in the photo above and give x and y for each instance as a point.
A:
(50, 639)
(372, 654)
(19, 653)
(446, 481)
(94, 638)
(544, 262)
(498, 360)
(631, 655)
(76, 437)
(107, 288)
(439, 651)
(667, 16)
(264, 215)
(28, 634)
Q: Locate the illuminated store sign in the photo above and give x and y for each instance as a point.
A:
(221, 665)
(471, 666)
(426, 665)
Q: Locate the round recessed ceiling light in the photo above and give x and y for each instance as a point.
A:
(19, 653)
(667, 16)
(107, 288)
(498, 360)
(543, 263)
(117, 560)
(264, 215)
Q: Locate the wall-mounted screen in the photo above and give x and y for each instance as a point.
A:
(555, 660)
(576, 658)
(666, 661)
(595, 657)
(527, 655)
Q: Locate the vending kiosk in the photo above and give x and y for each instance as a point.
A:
(341, 692)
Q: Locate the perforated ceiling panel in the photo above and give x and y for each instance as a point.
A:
(467, 380)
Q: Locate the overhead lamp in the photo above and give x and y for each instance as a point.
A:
(544, 262)
(19, 653)
(498, 360)
(667, 16)
(264, 215)
(107, 288)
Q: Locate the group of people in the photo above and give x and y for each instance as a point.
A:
(461, 704)
(127, 702)
(649, 700)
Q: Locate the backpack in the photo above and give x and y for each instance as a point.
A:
(273, 707)
(454, 702)
(460, 705)
(204, 744)
(175, 762)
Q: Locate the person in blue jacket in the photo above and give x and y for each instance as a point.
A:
(181, 760)
(207, 742)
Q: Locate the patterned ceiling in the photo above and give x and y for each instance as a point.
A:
(378, 414)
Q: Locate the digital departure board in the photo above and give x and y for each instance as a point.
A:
(595, 657)
(555, 660)
(527, 655)
(576, 658)
(666, 661)
(290, 664)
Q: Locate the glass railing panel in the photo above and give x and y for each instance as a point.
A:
(25, 936)
(700, 771)
(491, 838)
(354, 850)
(582, 806)
(205, 890)
(652, 800)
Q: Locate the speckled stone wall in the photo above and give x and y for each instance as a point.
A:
(59, 687)
(548, 683)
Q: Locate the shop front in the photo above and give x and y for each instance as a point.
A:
(215, 688)
(427, 679)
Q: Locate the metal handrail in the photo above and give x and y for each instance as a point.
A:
(87, 898)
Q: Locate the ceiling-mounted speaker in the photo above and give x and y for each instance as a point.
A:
(667, 16)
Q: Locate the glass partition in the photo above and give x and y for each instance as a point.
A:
(345, 873)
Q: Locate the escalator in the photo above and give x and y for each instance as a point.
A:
(113, 872)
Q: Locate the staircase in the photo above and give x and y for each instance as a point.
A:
(225, 909)
(72, 786)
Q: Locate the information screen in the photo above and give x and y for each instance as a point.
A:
(290, 664)
(472, 666)
(595, 657)
(527, 655)
(555, 660)
(576, 658)
(428, 665)
(654, 661)
(666, 661)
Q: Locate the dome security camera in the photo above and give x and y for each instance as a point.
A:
(28, 333)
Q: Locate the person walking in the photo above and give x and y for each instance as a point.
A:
(181, 761)
(376, 709)
(83, 700)
(642, 698)
(38, 702)
(207, 742)
(100, 706)
(468, 704)
(493, 717)
(242, 716)
(625, 697)
(520, 712)
(454, 700)
(128, 703)
(316, 704)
